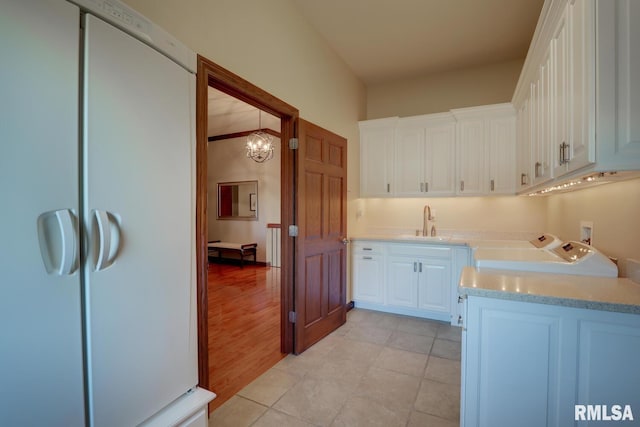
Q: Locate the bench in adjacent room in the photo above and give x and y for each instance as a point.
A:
(246, 249)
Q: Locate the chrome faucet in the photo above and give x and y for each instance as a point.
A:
(426, 217)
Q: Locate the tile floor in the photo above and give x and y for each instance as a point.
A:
(376, 370)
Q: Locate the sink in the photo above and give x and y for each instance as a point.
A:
(425, 238)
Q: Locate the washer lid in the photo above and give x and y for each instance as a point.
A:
(546, 241)
(573, 251)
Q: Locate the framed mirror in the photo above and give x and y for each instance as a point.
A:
(238, 200)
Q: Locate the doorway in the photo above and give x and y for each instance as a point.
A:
(313, 179)
(211, 75)
(243, 210)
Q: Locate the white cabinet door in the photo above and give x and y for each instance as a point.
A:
(511, 359)
(440, 160)
(402, 281)
(425, 156)
(142, 299)
(523, 146)
(581, 108)
(608, 369)
(434, 278)
(560, 141)
(471, 152)
(409, 161)
(541, 360)
(501, 137)
(618, 86)
(376, 159)
(541, 143)
(368, 278)
(41, 356)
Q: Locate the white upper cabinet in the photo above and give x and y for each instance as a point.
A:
(377, 139)
(468, 152)
(470, 146)
(580, 85)
(617, 84)
(560, 141)
(580, 117)
(502, 160)
(424, 156)
(440, 158)
(541, 145)
(409, 160)
(523, 147)
(485, 150)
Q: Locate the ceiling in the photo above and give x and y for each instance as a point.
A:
(230, 115)
(390, 40)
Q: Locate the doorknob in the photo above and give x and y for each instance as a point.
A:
(344, 241)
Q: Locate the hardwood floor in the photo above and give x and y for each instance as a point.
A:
(244, 326)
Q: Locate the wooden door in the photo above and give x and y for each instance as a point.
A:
(321, 255)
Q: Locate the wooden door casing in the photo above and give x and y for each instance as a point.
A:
(321, 255)
(211, 74)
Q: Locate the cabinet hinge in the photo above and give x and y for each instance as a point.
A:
(293, 143)
(293, 231)
(292, 317)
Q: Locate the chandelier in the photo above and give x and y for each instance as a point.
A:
(259, 144)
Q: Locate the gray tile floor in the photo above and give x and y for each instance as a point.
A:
(378, 369)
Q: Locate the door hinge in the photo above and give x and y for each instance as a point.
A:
(293, 231)
(292, 317)
(293, 143)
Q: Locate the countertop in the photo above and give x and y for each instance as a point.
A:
(406, 238)
(596, 293)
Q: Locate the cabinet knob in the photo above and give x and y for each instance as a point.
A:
(461, 185)
(426, 187)
(422, 187)
(493, 185)
(460, 320)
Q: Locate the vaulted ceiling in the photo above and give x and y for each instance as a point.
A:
(390, 40)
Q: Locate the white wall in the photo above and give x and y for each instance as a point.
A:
(228, 162)
(270, 44)
(614, 210)
(499, 217)
(435, 93)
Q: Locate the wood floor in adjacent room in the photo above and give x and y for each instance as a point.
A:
(244, 326)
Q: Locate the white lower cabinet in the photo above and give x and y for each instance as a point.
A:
(402, 272)
(412, 279)
(529, 364)
(368, 272)
(420, 283)
(433, 285)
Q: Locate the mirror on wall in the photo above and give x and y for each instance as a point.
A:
(238, 200)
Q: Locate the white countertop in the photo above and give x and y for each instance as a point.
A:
(597, 293)
(407, 238)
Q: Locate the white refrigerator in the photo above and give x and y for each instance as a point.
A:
(97, 188)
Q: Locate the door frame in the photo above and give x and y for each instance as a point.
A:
(211, 74)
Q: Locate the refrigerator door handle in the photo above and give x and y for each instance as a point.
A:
(59, 250)
(108, 239)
